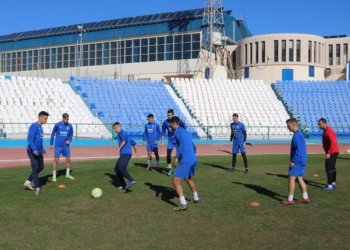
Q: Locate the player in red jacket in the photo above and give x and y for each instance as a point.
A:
(331, 148)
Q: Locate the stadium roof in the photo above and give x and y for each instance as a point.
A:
(108, 24)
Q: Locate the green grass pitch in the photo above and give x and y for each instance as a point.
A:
(70, 218)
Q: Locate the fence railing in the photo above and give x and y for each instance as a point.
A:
(106, 131)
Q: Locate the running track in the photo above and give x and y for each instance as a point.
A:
(10, 157)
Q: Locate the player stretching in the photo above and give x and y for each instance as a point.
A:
(186, 160)
(171, 139)
(239, 137)
(152, 135)
(124, 150)
(297, 163)
(63, 131)
(35, 151)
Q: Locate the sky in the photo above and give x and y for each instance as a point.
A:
(319, 17)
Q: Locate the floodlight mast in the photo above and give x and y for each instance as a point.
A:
(213, 50)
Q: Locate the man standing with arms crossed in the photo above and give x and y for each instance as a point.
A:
(152, 135)
(35, 151)
(297, 164)
(63, 131)
(331, 148)
(171, 140)
(185, 162)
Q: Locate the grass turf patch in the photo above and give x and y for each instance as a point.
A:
(142, 218)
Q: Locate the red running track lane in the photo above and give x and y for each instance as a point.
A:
(10, 157)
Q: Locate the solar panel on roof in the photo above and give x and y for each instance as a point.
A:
(104, 23)
(177, 14)
(186, 14)
(128, 20)
(200, 12)
(155, 17)
(148, 18)
(170, 16)
(164, 16)
(136, 19)
(114, 22)
(142, 19)
(122, 21)
(88, 25)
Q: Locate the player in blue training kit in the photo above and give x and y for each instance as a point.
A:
(185, 162)
(35, 151)
(297, 164)
(63, 131)
(239, 137)
(171, 139)
(151, 136)
(125, 144)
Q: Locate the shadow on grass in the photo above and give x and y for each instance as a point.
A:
(43, 180)
(263, 191)
(165, 193)
(343, 158)
(220, 167)
(307, 182)
(114, 180)
(225, 151)
(144, 165)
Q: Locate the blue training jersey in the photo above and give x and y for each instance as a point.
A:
(166, 127)
(237, 132)
(187, 149)
(62, 132)
(152, 132)
(35, 138)
(126, 149)
(298, 151)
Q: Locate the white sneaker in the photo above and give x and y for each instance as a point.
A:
(121, 187)
(28, 186)
(37, 191)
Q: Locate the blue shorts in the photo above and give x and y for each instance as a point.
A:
(185, 169)
(296, 171)
(171, 145)
(238, 147)
(64, 150)
(151, 147)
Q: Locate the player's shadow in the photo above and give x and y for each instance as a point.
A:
(220, 167)
(225, 151)
(144, 165)
(263, 191)
(62, 172)
(165, 193)
(307, 182)
(114, 180)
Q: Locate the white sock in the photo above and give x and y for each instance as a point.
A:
(67, 171)
(290, 197)
(157, 163)
(27, 182)
(195, 196)
(54, 172)
(183, 200)
(150, 163)
(37, 189)
(305, 196)
(169, 165)
(330, 186)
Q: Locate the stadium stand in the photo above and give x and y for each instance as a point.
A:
(310, 100)
(22, 98)
(128, 102)
(213, 102)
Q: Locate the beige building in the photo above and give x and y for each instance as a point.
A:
(291, 57)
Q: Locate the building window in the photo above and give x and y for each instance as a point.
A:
(30, 60)
(196, 44)
(160, 48)
(319, 53)
(311, 71)
(178, 43)
(8, 62)
(245, 54)
(19, 61)
(250, 53)
(276, 50)
(234, 59)
(3, 61)
(337, 51)
(291, 50)
(24, 60)
(85, 55)
(53, 58)
(298, 50)
(284, 51)
(169, 48)
(98, 54)
(345, 49)
(47, 59)
(263, 52)
(330, 55)
(239, 56)
(315, 52)
(246, 72)
(310, 52)
(256, 52)
(105, 53)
